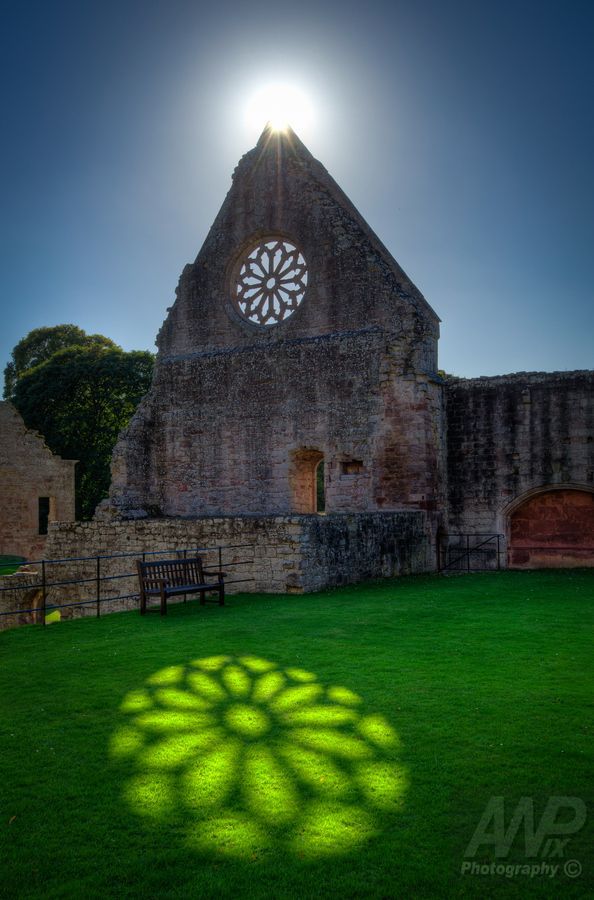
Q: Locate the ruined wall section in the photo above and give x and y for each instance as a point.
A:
(28, 471)
(512, 434)
(410, 467)
(339, 550)
(295, 554)
(219, 432)
(280, 189)
(20, 598)
(350, 374)
(223, 424)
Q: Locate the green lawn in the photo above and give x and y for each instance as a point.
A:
(342, 744)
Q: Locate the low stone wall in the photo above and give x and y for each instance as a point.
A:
(293, 554)
(20, 592)
(346, 549)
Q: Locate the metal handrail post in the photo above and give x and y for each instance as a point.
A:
(98, 586)
(43, 592)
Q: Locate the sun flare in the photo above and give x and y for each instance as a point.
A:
(280, 106)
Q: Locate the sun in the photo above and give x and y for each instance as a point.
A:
(280, 106)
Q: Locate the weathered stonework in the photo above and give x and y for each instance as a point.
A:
(512, 437)
(282, 554)
(553, 528)
(240, 414)
(28, 471)
(296, 340)
(235, 406)
(21, 598)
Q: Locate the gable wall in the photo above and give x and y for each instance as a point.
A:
(280, 189)
(348, 374)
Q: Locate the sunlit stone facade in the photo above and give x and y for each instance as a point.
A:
(297, 375)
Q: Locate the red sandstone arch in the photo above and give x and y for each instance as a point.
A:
(552, 528)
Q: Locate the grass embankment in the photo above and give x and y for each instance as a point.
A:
(343, 744)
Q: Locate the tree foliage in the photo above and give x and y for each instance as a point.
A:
(40, 345)
(80, 398)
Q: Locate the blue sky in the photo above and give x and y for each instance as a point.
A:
(463, 132)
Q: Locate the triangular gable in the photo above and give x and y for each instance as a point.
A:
(281, 192)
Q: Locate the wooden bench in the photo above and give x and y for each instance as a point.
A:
(173, 577)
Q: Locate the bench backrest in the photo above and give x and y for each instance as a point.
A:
(174, 572)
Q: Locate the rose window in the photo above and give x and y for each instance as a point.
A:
(270, 282)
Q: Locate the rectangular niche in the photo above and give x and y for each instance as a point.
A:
(351, 467)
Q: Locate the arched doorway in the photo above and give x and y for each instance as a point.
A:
(552, 528)
(308, 481)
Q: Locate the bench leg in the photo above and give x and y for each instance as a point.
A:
(221, 594)
(202, 598)
(142, 605)
(163, 603)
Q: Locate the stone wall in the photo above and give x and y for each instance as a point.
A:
(340, 550)
(511, 436)
(348, 376)
(28, 471)
(294, 554)
(278, 188)
(20, 598)
(229, 439)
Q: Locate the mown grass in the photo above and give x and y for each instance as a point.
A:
(129, 771)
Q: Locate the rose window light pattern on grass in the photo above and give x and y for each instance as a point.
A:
(252, 757)
(270, 282)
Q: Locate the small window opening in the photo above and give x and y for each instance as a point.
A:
(351, 467)
(43, 511)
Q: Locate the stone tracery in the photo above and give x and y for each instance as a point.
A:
(270, 282)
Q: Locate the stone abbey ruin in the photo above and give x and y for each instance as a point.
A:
(37, 487)
(298, 367)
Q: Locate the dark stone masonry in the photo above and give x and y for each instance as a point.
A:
(519, 442)
(296, 405)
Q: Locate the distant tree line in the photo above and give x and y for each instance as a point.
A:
(79, 391)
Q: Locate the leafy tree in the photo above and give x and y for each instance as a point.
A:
(41, 344)
(79, 399)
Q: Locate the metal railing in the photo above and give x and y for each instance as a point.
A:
(470, 552)
(99, 578)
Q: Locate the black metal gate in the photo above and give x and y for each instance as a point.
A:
(469, 552)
